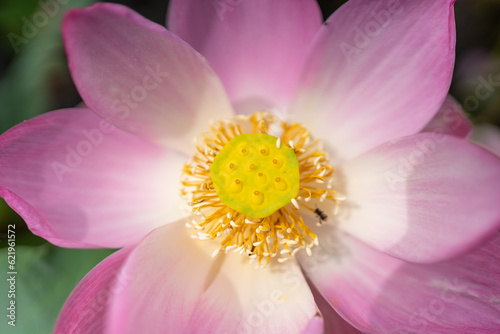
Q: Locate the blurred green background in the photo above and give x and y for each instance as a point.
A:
(35, 79)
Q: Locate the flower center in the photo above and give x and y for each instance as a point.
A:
(255, 175)
(252, 181)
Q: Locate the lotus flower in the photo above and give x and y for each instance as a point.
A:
(314, 123)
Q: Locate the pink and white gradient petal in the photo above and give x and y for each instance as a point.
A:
(415, 198)
(382, 294)
(257, 47)
(451, 119)
(141, 77)
(378, 70)
(85, 309)
(78, 181)
(177, 287)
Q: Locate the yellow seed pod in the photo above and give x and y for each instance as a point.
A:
(254, 177)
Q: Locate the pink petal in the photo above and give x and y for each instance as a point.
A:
(378, 70)
(141, 77)
(315, 326)
(257, 47)
(334, 324)
(177, 287)
(85, 309)
(422, 198)
(451, 119)
(488, 136)
(80, 182)
(381, 294)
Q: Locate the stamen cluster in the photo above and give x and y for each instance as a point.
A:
(283, 232)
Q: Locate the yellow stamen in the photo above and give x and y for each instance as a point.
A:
(246, 187)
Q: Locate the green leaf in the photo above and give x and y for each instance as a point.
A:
(45, 277)
(38, 75)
